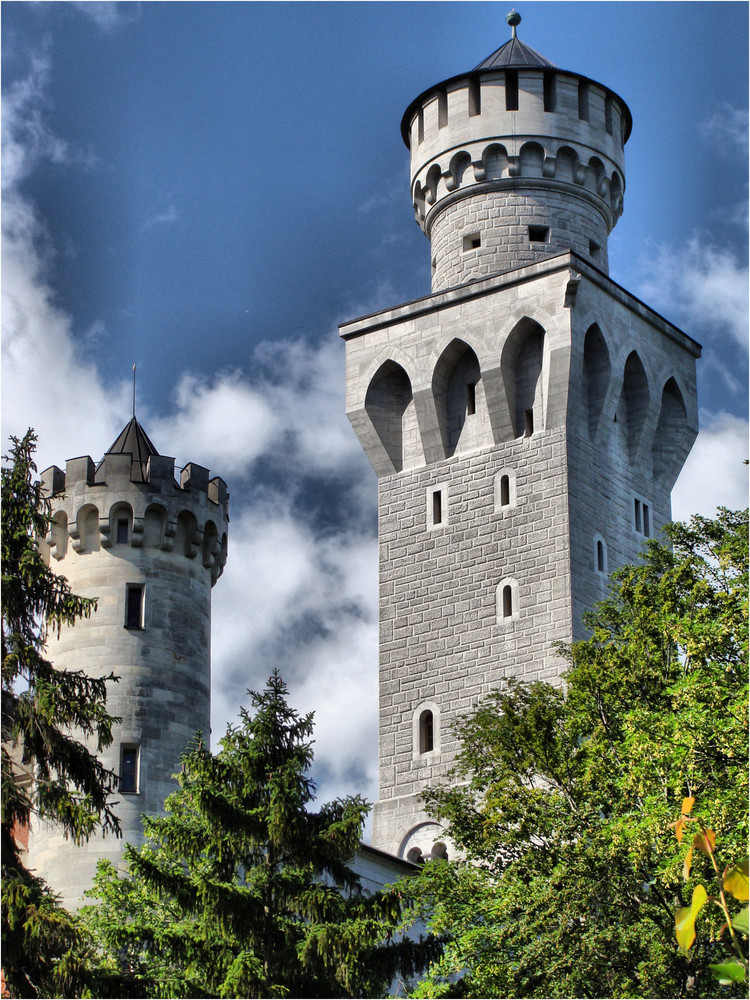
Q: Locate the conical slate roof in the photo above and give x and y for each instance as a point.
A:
(514, 53)
(134, 441)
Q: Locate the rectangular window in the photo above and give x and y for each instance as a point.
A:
(529, 423)
(129, 769)
(122, 531)
(437, 507)
(134, 605)
(637, 516)
(511, 90)
(442, 109)
(472, 242)
(646, 520)
(538, 234)
(608, 114)
(471, 398)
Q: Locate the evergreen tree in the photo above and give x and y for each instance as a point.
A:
(242, 889)
(566, 801)
(45, 713)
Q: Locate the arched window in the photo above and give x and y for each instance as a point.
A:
(600, 555)
(505, 490)
(506, 597)
(426, 732)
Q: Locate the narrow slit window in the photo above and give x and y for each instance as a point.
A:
(529, 423)
(426, 732)
(583, 101)
(475, 98)
(122, 531)
(471, 398)
(608, 114)
(600, 556)
(511, 90)
(637, 515)
(507, 601)
(550, 94)
(437, 507)
(442, 109)
(134, 606)
(505, 491)
(646, 520)
(129, 769)
(420, 126)
(538, 234)
(594, 249)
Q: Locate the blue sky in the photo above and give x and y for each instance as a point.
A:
(207, 189)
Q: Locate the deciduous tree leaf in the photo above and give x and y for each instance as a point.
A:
(687, 805)
(686, 916)
(687, 865)
(736, 881)
(740, 922)
(705, 841)
(728, 972)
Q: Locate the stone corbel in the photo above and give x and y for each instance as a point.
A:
(571, 289)
(137, 539)
(105, 533)
(192, 547)
(549, 166)
(76, 542)
(480, 170)
(167, 542)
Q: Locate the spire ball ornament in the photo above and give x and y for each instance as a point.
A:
(514, 19)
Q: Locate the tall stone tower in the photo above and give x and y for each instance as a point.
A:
(527, 420)
(149, 550)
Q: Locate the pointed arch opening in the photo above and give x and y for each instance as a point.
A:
(668, 449)
(522, 364)
(390, 406)
(597, 370)
(458, 394)
(632, 407)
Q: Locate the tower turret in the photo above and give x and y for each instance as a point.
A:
(526, 421)
(515, 161)
(149, 550)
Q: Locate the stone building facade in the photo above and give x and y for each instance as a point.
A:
(149, 549)
(526, 420)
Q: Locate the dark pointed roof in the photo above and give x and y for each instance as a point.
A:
(514, 53)
(134, 441)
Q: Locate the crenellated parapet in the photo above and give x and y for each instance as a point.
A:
(105, 506)
(510, 165)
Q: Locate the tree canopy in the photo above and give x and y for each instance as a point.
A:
(565, 801)
(46, 716)
(242, 889)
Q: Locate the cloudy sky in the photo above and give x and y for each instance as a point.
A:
(206, 189)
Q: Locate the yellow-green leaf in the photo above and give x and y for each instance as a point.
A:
(705, 841)
(736, 881)
(687, 865)
(739, 922)
(686, 916)
(728, 972)
(687, 805)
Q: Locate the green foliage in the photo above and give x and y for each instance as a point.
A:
(562, 800)
(241, 889)
(45, 713)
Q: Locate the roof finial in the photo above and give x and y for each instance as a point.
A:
(513, 19)
(133, 390)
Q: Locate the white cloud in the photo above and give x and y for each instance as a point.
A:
(161, 217)
(701, 286)
(727, 131)
(107, 14)
(715, 474)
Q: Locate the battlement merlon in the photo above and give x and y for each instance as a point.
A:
(117, 473)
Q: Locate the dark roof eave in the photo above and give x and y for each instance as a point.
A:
(475, 74)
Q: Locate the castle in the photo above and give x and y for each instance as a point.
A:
(526, 420)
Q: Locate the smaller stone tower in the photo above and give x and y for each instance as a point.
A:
(149, 550)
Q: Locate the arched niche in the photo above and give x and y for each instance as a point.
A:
(431, 183)
(531, 159)
(566, 164)
(185, 540)
(389, 403)
(459, 399)
(210, 544)
(120, 523)
(669, 441)
(57, 535)
(597, 371)
(154, 523)
(522, 365)
(596, 175)
(458, 166)
(632, 407)
(495, 161)
(87, 524)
